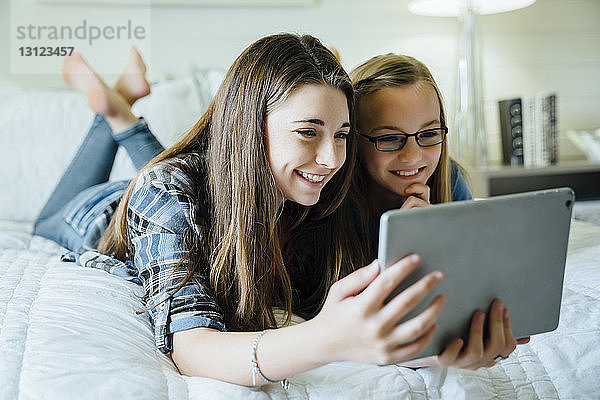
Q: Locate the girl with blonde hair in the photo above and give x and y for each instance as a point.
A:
(403, 162)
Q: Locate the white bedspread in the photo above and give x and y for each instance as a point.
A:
(71, 332)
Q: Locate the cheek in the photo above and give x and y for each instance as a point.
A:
(273, 157)
(433, 159)
(282, 151)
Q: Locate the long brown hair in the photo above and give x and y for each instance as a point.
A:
(391, 70)
(237, 207)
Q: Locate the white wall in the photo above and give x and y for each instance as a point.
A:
(552, 45)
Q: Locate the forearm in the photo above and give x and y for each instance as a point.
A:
(226, 356)
(355, 324)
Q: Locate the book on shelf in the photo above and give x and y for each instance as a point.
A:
(552, 129)
(511, 127)
(529, 131)
(529, 135)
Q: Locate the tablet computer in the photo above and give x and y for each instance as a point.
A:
(511, 248)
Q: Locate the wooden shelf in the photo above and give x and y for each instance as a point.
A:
(582, 177)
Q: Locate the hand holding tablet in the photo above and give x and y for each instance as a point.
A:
(511, 248)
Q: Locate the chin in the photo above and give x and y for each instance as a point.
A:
(307, 201)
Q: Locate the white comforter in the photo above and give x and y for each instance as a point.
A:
(71, 332)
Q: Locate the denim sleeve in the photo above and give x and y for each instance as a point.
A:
(460, 188)
(160, 217)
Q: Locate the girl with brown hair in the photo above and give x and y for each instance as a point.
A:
(242, 216)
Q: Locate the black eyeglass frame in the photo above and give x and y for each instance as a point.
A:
(375, 139)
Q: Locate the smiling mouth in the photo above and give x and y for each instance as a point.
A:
(312, 178)
(408, 173)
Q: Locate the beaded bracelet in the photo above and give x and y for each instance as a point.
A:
(256, 369)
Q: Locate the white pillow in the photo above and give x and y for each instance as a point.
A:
(40, 131)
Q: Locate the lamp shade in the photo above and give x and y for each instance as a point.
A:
(454, 8)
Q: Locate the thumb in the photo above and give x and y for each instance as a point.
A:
(356, 282)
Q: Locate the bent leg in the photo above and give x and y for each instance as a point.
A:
(80, 223)
(132, 84)
(58, 230)
(91, 165)
(93, 162)
(139, 142)
(102, 99)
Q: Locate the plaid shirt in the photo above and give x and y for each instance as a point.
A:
(160, 215)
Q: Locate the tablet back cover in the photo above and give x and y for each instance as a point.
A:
(511, 248)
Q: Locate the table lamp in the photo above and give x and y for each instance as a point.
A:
(470, 140)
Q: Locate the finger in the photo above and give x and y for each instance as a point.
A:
(413, 349)
(354, 283)
(413, 202)
(408, 299)
(524, 340)
(510, 343)
(419, 189)
(416, 327)
(495, 344)
(451, 353)
(474, 350)
(379, 289)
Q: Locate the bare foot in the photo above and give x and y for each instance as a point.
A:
(132, 83)
(102, 99)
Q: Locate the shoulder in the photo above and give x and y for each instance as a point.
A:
(163, 196)
(173, 174)
(460, 188)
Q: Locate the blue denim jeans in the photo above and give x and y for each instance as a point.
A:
(84, 193)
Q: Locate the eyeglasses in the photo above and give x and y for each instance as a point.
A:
(396, 141)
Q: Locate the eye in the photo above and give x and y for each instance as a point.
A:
(306, 132)
(428, 134)
(341, 135)
(388, 139)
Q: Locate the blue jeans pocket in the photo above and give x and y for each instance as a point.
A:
(88, 205)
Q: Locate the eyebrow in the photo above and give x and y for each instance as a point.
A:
(395, 128)
(319, 122)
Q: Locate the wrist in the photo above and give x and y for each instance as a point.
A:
(284, 352)
(325, 346)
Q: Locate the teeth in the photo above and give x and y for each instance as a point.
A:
(407, 173)
(312, 178)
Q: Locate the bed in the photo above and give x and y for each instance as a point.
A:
(71, 332)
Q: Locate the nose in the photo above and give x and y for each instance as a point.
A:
(411, 152)
(330, 154)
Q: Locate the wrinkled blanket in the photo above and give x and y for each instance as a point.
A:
(73, 332)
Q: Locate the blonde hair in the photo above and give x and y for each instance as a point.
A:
(237, 203)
